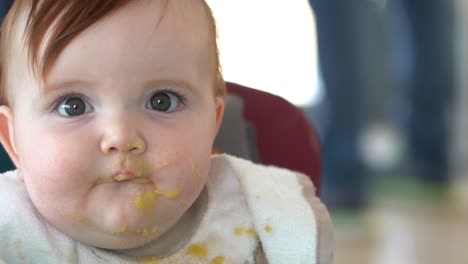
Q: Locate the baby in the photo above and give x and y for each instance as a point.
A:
(109, 112)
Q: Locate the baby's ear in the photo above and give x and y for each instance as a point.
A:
(6, 133)
(219, 103)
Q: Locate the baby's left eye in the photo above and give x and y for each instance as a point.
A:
(163, 102)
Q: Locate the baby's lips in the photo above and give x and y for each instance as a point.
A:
(128, 175)
(123, 175)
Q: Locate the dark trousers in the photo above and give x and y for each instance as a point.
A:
(350, 52)
(430, 85)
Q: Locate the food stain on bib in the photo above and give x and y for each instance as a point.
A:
(251, 232)
(218, 260)
(239, 231)
(197, 250)
(245, 231)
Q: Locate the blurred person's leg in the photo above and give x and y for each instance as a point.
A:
(431, 86)
(459, 148)
(343, 184)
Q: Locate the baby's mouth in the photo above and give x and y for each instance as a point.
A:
(124, 176)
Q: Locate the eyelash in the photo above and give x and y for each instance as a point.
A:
(180, 97)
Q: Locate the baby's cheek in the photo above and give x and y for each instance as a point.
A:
(55, 172)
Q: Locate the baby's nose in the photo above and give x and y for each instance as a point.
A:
(115, 145)
(123, 138)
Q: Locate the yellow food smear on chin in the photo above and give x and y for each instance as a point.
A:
(120, 230)
(197, 250)
(173, 194)
(141, 180)
(147, 200)
(147, 231)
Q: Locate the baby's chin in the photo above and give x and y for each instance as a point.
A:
(117, 228)
(114, 227)
(114, 233)
(113, 242)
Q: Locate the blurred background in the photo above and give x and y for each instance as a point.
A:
(384, 82)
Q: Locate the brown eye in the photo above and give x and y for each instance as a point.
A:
(73, 106)
(163, 102)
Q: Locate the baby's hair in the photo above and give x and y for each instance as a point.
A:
(69, 18)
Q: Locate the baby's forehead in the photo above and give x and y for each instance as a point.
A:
(145, 35)
(186, 23)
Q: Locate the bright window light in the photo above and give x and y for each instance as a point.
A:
(270, 45)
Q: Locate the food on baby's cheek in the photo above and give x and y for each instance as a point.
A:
(173, 194)
(102, 181)
(196, 172)
(78, 218)
(147, 200)
(141, 180)
(139, 169)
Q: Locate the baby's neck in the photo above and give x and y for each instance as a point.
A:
(176, 237)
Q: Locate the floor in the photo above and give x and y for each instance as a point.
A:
(405, 229)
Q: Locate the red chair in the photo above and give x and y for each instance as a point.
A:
(282, 134)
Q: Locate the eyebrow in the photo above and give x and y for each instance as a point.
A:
(53, 86)
(58, 85)
(184, 84)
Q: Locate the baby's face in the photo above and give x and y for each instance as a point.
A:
(116, 146)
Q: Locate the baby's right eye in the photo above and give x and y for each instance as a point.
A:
(73, 106)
